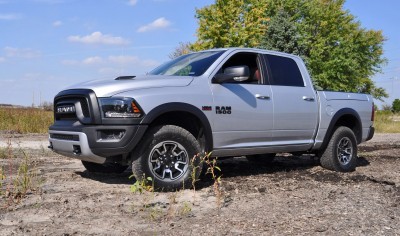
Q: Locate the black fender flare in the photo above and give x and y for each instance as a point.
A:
(182, 107)
(339, 114)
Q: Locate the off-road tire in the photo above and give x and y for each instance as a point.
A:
(157, 157)
(104, 168)
(341, 153)
(267, 158)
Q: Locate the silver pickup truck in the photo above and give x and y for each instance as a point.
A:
(227, 102)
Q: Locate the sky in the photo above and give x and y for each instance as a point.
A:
(47, 45)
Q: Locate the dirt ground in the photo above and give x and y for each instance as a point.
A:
(293, 196)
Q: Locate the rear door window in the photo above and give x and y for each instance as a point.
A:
(283, 71)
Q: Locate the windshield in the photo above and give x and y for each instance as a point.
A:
(194, 64)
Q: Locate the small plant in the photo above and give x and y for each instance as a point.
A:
(24, 180)
(3, 154)
(154, 212)
(18, 176)
(196, 170)
(172, 205)
(143, 185)
(186, 208)
(212, 168)
(2, 177)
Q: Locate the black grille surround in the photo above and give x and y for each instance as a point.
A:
(87, 109)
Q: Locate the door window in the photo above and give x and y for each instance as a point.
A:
(284, 71)
(245, 59)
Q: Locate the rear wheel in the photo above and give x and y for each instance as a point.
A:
(169, 155)
(341, 152)
(104, 168)
(262, 158)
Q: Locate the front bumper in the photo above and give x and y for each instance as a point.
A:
(78, 148)
(95, 143)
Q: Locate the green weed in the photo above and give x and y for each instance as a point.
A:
(25, 177)
(212, 169)
(186, 208)
(140, 186)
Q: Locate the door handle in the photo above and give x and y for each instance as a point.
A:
(310, 99)
(259, 96)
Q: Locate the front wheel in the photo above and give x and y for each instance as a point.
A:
(341, 152)
(170, 156)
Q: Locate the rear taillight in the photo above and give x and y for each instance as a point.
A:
(373, 112)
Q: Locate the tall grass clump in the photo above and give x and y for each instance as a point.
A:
(387, 122)
(25, 120)
(17, 176)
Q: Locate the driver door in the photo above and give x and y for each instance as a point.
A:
(243, 111)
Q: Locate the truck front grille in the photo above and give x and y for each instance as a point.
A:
(67, 108)
(77, 105)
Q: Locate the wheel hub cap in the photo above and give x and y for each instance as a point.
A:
(345, 151)
(168, 160)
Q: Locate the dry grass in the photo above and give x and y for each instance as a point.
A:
(17, 176)
(25, 120)
(387, 122)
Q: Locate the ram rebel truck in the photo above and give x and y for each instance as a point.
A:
(227, 102)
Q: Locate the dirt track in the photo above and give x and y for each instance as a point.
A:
(293, 196)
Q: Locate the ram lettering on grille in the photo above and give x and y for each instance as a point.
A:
(66, 109)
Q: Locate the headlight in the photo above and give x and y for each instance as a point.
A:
(119, 108)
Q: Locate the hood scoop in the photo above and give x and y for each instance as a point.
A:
(125, 77)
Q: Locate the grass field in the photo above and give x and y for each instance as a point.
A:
(25, 120)
(387, 122)
(31, 120)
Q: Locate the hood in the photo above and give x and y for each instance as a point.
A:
(107, 88)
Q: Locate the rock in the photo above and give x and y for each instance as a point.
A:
(321, 228)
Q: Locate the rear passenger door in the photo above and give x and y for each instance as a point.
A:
(295, 104)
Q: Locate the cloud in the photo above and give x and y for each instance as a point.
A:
(57, 23)
(132, 2)
(92, 60)
(159, 23)
(112, 61)
(10, 16)
(2, 59)
(21, 52)
(98, 38)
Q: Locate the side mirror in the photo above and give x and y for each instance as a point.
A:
(237, 73)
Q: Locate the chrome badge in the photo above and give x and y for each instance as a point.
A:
(66, 109)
